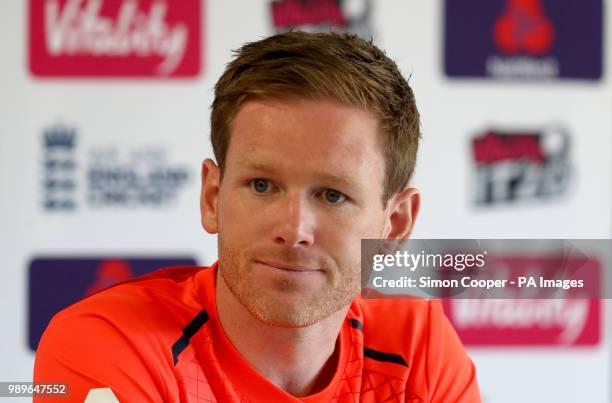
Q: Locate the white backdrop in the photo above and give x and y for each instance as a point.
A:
(140, 115)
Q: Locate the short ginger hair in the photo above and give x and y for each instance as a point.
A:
(338, 66)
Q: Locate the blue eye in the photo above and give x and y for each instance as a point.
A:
(260, 185)
(333, 196)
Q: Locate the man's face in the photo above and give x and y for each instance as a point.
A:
(302, 186)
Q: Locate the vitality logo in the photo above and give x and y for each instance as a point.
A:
(119, 38)
(528, 315)
(526, 322)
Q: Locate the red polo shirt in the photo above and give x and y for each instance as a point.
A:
(158, 339)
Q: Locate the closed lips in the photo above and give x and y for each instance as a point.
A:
(285, 266)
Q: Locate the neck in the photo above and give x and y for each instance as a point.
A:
(301, 361)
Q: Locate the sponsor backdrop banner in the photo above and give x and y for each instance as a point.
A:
(117, 38)
(56, 282)
(106, 175)
(513, 166)
(524, 39)
(105, 107)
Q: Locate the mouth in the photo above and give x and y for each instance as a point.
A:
(288, 267)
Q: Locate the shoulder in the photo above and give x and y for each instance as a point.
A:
(398, 316)
(419, 331)
(411, 327)
(131, 327)
(146, 297)
(145, 313)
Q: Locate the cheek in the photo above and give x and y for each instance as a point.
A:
(368, 224)
(238, 221)
(343, 237)
(232, 218)
(231, 204)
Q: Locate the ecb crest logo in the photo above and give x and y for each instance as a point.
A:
(59, 168)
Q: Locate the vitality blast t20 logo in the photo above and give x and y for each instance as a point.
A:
(323, 15)
(514, 166)
(118, 38)
(524, 39)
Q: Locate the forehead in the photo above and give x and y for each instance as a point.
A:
(310, 133)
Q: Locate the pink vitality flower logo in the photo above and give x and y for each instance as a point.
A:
(115, 38)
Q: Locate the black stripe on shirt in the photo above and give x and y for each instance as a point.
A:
(384, 357)
(375, 354)
(356, 324)
(188, 332)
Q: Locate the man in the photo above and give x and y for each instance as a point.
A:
(315, 137)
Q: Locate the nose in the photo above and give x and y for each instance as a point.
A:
(295, 222)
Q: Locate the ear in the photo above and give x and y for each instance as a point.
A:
(402, 210)
(209, 196)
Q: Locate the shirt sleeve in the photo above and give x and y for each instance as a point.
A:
(87, 351)
(451, 373)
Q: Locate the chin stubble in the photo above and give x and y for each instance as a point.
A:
(263, 304)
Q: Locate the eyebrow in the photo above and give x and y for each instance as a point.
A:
(325, 176)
